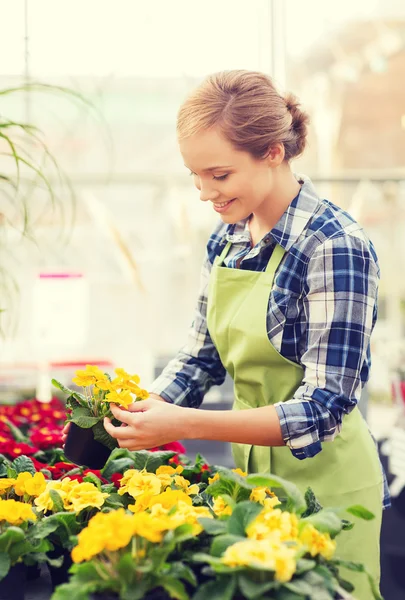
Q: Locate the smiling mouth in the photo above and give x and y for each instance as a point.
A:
(222, 204)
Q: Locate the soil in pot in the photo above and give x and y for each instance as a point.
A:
(82, 449)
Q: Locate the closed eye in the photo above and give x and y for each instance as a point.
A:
(220, 178)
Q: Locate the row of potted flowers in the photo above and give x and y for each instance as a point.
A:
(167, 531)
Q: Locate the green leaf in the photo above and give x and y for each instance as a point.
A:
(243, 514)
(4, 564)
(68, 591)
(304, 564)
(103, 437)
(253, 589)
(325, 521)
(92, 478)
(11, 536)
(221, 543)
(16, 432)
(22, 464)
(296, 501)
(361, 512)
(57, 501)
(182, 571)
(213, 526)
(299, 586)
(313, 506)
(61, 387)
(83, 418)
(174, 587)
(143, 459)
(284, 594)
(116, 466)
(220, 589)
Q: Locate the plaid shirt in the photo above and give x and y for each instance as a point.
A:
(321, 312)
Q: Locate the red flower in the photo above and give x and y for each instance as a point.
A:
(46, 438)
(175, 460)
(205, 467)
(175, 447)
(64, 466)
(14, 449)
(116, 478)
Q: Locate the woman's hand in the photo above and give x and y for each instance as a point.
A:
(147, 424)
(66, 428)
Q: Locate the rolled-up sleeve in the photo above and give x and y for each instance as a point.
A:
(340, 301)
(197, 366)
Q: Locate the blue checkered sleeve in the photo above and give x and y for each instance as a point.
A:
(339, 301)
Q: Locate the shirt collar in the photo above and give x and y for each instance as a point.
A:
(291, 224)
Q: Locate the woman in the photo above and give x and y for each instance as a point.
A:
(287, 306)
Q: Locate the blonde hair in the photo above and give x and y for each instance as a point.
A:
(249, 111)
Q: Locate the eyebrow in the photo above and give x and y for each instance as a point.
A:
(213, 168)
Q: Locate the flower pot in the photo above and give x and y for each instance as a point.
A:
(12, 587)
(33, 572)
(82, 449)
(60, 574)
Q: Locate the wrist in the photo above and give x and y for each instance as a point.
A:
(191, 424)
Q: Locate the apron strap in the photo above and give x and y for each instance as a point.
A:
(275, 259)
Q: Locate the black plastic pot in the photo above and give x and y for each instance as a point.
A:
(60, 574)
(82, 449)
(12, 587)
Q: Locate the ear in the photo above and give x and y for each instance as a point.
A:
(275, 155)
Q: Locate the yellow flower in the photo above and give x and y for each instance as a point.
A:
(184, 484)
(273, 523)
(271, 502)
(15, 512)
(137, 483)
(126, 376)
(22, 479)
(36, 485)
(44, 501)
(170, 498)
(168, 470)
(213, 479)
(105, 531)
(262, 554)
(260, 494)
(142, 394)
(84, 495)
(317, 543)
(240, 472)
(89, 376)
(220, 507)
(166, 474)
(6, 483)
(123, 398)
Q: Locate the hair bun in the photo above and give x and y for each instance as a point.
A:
(299, 121)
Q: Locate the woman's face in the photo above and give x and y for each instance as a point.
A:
(234, 182)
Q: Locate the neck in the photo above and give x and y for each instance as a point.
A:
(284, 189)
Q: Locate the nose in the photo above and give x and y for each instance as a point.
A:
(207, 193)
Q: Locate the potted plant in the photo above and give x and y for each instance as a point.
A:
(264, 546)
(21, 542)
(87, 442)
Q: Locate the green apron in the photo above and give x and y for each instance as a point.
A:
(347, 471)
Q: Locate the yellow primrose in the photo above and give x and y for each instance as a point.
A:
(123, 398)
(273, 522)
(259, 494)
(220, 507)
(22, 478)
(184, 484)
(170, 498)
(143, 394)
(84, 495)
(35, 485)
(317, 543)
(105, 531)
(213, 479)
(137, 483)
(89, 376)
(151, 527)
(240, 472)
(6, 483)
(44, 501)
(168, 470)
(262, 554)
(15, 512)
(126, 376)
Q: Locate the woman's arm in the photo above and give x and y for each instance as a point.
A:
(153, 423)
